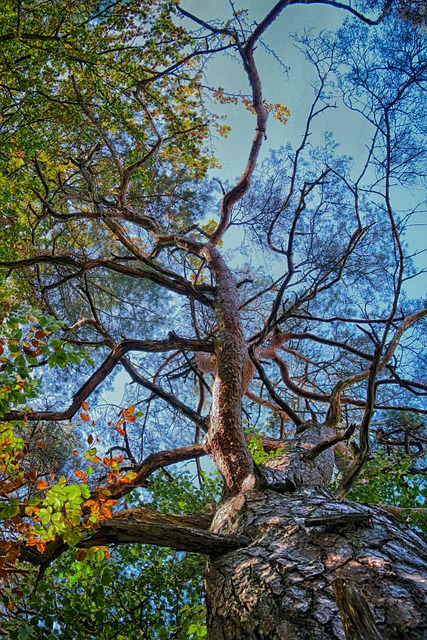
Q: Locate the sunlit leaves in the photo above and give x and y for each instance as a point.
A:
(28, 339)
(65, 98)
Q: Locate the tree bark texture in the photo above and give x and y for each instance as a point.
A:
(306, 546)
(281, 584)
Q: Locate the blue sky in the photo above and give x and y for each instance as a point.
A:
(294, 91)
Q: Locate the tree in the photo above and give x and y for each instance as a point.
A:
(108, 239)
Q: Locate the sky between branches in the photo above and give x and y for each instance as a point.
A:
(293, 90)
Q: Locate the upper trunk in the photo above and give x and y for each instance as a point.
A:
(225, 439)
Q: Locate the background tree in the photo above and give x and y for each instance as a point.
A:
(111, 241)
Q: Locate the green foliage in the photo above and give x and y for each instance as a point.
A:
(28, 339)
(73, 112)
(257, 450)
(387, 479)
(181, 495)
(138, 591)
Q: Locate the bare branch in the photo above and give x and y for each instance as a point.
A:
(153, 346)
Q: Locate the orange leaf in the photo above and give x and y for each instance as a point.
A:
(32, 542)
(80, 475)
(42, 484)
(121, 431)
(107, 512)
(107, 461)
(85, 406)
(41, 546)
(85, 417)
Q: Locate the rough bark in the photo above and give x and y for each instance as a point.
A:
(281, 585)
(302, 540)
(356, 616)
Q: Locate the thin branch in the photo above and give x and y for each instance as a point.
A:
(119, 351)
(277, 399)
(154, 462)
(312, 453)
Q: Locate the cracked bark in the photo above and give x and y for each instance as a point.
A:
(303, 540)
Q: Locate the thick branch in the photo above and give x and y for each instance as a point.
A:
(159, 531)
(225, 440)
(170, 281)
(238, 191)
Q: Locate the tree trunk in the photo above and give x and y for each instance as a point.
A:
(309, 552)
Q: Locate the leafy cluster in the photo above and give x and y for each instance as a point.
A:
(135, 590)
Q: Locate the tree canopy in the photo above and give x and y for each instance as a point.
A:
(231, 313)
